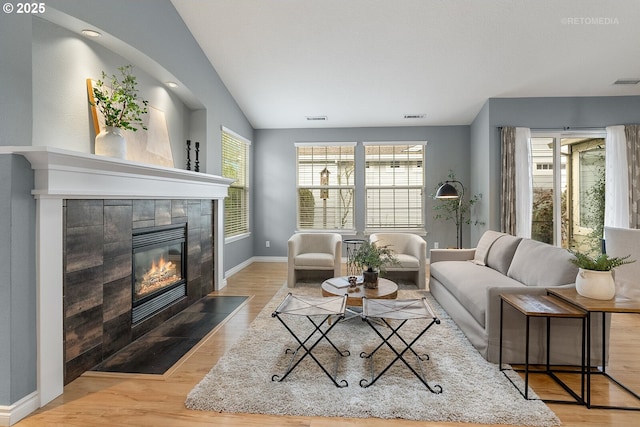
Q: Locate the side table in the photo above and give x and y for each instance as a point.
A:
(544, 306)
(618, 304)
(352, 247)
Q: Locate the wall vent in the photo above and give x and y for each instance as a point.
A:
(626, 82)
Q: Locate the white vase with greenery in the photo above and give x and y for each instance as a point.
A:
(110, 142)
(121, 108)
(595, 277)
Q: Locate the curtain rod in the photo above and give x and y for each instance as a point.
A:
(565, 128)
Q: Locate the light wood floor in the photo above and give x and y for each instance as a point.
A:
(120, 400)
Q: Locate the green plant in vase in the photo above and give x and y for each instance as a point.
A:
(603, 262)
(119, 102)
(595, 279)
(122, 109)
(373, 260)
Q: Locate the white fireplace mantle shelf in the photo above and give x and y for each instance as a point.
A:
(63, 174)
(75, 175)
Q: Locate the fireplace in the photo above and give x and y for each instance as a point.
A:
(159, 269)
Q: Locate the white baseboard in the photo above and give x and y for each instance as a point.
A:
(270, 259)
(250, 261)
(10, 415)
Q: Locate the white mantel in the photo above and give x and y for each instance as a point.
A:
(62, 174)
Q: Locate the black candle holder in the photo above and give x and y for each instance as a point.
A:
(197, 165)
(188, 154)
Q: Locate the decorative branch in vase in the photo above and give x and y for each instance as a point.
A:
(122, 109)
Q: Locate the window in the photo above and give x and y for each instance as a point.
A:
(394, 185)
(568, 191)
(235, 165)
(325, 185)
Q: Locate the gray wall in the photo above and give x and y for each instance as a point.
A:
(17, 235)
(275, 192)
(536, 113)
(483, 173)
(18, 285)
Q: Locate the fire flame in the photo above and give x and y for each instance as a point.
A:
(161, 273)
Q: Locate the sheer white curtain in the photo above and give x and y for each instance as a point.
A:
(524, 182)
(616, 200)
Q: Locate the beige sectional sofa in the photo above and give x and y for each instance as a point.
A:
(468, 282)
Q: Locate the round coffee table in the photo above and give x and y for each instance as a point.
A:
(386, 290)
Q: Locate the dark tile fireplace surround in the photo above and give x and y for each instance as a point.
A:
(97, 282)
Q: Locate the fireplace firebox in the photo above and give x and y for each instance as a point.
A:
(159, 269)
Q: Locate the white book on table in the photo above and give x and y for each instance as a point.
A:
(342, 282)
(339, 282)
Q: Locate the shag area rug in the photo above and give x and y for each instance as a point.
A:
(474, 390)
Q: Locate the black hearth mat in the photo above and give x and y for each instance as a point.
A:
(158, 350)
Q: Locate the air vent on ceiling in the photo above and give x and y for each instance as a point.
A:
(414, 116)
(626, 82)
(316, 118)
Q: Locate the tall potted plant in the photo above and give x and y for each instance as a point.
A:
(121, 108)
(595, 279)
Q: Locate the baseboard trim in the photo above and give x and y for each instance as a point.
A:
(10, 415)
(247, 263)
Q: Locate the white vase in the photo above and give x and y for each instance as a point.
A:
(595, 284)
(111, 143)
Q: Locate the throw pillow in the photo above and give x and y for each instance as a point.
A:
(483, 246)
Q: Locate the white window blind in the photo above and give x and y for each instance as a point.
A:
(394, 185)
(326, 178)
(235, 165)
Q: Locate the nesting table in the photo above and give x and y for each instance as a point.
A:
(567, 303)
(548, 307)
(593, 307)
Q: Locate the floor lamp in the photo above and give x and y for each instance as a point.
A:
(448, 192)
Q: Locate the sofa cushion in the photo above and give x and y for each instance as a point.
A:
(501, 253)
(485, 242)
(540, 264)
(468, 283)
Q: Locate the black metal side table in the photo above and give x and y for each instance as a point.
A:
(352, 247)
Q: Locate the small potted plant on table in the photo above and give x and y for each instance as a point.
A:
(373, 260)
(595, 279)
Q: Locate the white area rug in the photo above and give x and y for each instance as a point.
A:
(474, 390)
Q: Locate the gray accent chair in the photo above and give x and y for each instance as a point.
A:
(411, 251)
(314, 252)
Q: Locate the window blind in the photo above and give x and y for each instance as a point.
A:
(325, 180)
(394, 185)
(235, 165)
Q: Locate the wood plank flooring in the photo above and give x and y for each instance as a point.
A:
(151, 400)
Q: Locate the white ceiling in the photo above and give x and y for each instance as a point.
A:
(370, 62)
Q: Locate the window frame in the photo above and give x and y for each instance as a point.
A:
(244, 228)
(394, 164)
(560, 173)
(326, 189)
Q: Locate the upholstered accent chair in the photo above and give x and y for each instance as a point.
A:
(621, 242)
(314, 252)
(411, 251)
